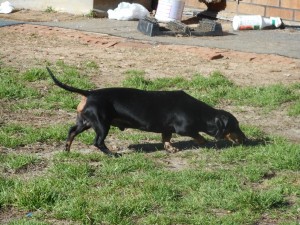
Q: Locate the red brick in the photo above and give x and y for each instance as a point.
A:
(297, 16)
(266, 2)
(290, 4)
(283, 13)
(251, 9)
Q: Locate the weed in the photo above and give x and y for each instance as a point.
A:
(91, 14)
(91, 65)
(50, 9)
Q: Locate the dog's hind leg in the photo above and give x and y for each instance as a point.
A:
(101, 127)
(101, 133)
(81, 125)
(166, 139)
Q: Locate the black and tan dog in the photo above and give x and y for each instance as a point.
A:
(164, 112)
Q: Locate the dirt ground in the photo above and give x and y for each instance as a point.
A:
(26, 46)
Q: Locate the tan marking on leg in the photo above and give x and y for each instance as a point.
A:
(81, 105)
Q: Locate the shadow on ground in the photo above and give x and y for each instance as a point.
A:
(188, 145)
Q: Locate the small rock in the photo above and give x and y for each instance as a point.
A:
(215, 56)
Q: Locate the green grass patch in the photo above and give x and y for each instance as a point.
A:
(218, 187)
(50, 9)
(267, 97)
(17, 161)
(15, 85)
(35, 74)
(210, 89)
(217, 88)
(12, 86)
(295, 109)
(27, 222)
(15, 135)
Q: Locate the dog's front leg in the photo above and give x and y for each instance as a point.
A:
(199, 139)
(166, 139)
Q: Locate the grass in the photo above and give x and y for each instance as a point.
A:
(216, 88)
(29, 87)
(15, 135)
(11, 88)
(250, 184)
(17, 161)
(138, 189)
(268, 97)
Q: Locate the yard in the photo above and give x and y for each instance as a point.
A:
(218, 183)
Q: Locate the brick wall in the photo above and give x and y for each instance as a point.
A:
(288, 10)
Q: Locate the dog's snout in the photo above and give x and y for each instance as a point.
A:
(238, 138)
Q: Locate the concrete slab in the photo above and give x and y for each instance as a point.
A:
(4, 23)
(284, 42)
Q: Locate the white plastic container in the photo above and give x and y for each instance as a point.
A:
(254, 22)
(169, 10)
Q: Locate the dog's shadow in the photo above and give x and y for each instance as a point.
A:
(189, 145)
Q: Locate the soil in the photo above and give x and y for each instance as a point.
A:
(26, 46)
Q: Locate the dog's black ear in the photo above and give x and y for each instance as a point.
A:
(221, 124)
(216, 126)
(212, 128)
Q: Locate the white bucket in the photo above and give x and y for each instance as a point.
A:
(254, 22)
(169, 10)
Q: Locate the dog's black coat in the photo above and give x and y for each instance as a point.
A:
(164, 112)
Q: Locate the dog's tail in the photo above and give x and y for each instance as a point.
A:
(67, 87)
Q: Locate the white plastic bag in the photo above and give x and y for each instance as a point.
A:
(6, 7)
(127, 11)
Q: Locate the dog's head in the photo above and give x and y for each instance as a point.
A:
(226, 126)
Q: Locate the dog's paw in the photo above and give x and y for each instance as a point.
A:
(169, 148)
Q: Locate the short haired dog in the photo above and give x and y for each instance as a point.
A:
(164, 112)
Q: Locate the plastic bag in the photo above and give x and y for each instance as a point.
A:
(127, 11)
(6, 7)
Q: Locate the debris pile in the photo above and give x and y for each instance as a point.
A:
(151, 27)
(6, 7)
